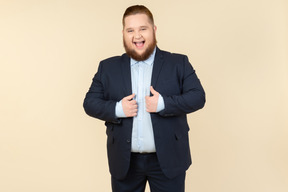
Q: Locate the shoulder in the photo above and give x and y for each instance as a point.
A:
(172, 56)
(180, 61)
(114, 62)
(114, 59)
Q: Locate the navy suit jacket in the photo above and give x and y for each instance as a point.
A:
(175, 79)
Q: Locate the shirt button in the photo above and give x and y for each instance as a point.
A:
(128, 140)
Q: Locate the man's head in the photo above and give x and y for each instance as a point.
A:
(139, 32)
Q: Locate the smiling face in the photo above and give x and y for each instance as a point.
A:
(139, 36)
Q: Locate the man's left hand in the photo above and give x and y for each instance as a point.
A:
(152, 101)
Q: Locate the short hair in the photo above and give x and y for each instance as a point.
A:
(138, 9)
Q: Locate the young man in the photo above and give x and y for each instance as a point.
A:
(144, 96)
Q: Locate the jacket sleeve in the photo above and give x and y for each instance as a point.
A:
(192, 95)
(95, 104)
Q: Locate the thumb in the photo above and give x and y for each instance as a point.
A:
(129, 97)
(152, 90)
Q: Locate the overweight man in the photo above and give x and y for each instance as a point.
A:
(144, 97)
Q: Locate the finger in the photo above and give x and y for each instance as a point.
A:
(133, 102)
(147, 98)
(152, 90)
(133, 113)
(133, 108)
(129, 97)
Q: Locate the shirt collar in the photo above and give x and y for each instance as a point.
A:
(148, 61)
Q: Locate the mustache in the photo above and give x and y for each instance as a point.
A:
(131, 52)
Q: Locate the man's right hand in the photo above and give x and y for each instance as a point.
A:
(129, 106)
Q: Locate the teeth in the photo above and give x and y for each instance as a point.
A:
(139, 43)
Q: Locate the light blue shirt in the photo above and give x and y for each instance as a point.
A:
(142, 131)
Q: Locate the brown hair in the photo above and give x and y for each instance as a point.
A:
(138, 9)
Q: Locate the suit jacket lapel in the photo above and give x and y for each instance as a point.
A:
(126, 75)
(157, 66)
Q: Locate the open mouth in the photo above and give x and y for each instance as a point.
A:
(139, 44)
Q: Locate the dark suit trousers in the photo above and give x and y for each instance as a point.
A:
(143, 168)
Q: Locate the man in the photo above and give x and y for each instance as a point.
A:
(144, 96)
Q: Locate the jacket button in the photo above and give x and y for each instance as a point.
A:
(128, 141)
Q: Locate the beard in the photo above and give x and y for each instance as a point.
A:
(141, 57)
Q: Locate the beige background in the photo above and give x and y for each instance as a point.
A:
(50, 50)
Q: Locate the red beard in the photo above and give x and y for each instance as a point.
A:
(134, 55)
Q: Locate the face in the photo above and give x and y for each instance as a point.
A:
(139, 36)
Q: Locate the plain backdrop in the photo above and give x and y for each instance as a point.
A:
(50, 50)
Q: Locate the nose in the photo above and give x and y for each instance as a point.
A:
(138, 35)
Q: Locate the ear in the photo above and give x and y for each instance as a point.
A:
(155, 28)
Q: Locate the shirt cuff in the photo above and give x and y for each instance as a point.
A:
(160, 105)
(119, 110)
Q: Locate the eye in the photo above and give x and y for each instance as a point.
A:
(129, 30)
(143, 29)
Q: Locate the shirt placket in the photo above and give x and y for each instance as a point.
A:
(140, 104)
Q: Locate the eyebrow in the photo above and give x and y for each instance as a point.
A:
(144, 26)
